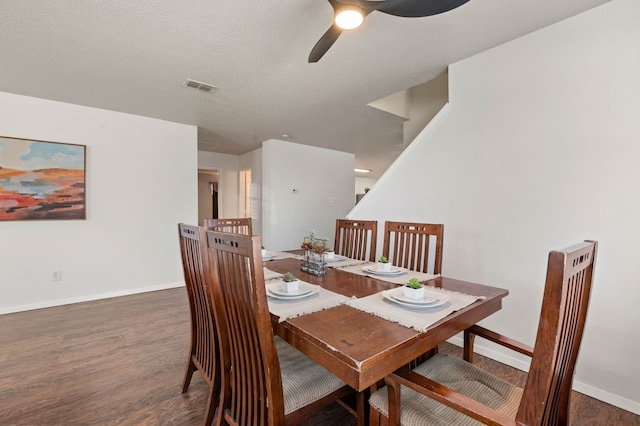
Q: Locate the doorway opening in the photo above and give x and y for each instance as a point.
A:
(208, 195)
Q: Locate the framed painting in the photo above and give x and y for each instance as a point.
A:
(41, 180)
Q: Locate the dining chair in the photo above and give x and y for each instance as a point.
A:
(203, 354)
(415, 246)
(356, 239)
(239, 225)
(450, 390)
(265, 381)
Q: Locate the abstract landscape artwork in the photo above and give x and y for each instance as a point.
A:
(41, 180)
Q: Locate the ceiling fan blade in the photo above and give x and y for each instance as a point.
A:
(325, 42)
(332, 34)
(417, 9)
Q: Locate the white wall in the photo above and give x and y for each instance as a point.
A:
(141, 181)
(425, 102)
(253, 161)
(319, 175)
(227, 164)
(538, 150)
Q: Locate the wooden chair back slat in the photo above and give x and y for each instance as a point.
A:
(204, 350)
(409, 245)
(240, 225)
(356, 239)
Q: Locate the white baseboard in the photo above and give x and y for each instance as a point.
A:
(583, 388)
(608, 397)
(88, 298)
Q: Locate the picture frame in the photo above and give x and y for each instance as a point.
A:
(42, 180)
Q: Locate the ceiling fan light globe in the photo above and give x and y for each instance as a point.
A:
(349, 17)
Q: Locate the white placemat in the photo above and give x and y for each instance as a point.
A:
(418, 319)
(396, 279)
(347, 262)
(324, 299)
(271, 275)
(283, 255)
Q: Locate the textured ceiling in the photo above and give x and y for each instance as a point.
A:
(134, 57)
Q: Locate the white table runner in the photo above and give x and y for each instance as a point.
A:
(324, 299)
(418, 319)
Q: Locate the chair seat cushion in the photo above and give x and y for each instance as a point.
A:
(303, 380)
(456, 374)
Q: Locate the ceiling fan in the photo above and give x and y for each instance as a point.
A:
(403, 8)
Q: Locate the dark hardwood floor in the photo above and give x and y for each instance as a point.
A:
(121, 361)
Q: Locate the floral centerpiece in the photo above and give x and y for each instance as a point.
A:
(313, 260)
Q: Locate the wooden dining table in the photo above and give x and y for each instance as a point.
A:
(361, 348)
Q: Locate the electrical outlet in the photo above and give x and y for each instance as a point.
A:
(56, 275)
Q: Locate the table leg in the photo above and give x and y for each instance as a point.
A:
(362, 407)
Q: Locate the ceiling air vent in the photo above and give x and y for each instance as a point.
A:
(198, 85)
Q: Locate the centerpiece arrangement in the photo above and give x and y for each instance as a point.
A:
(313, 260)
